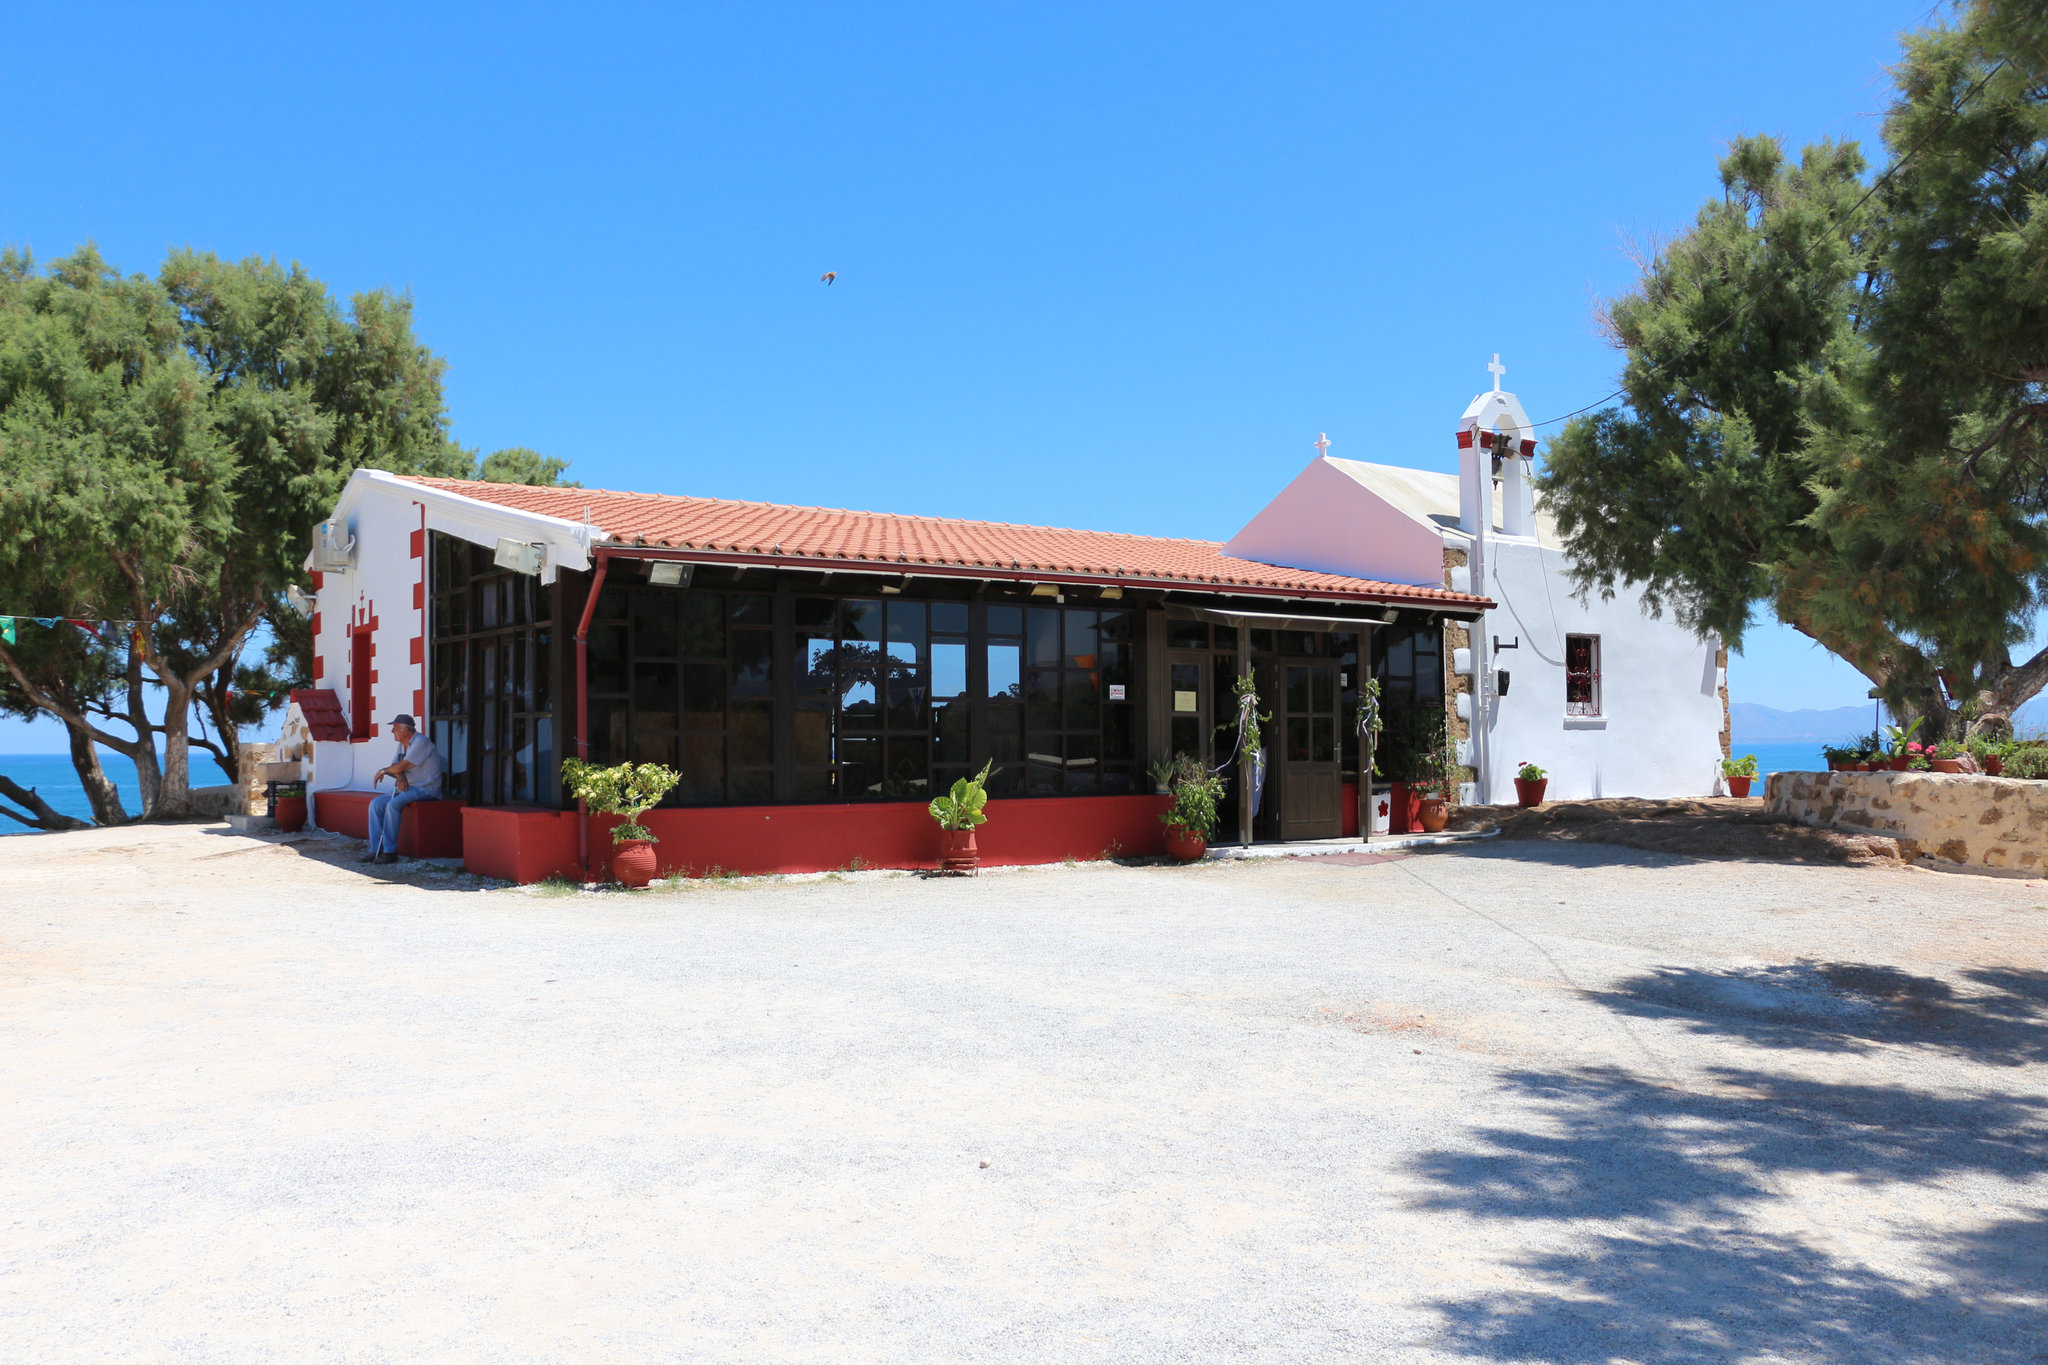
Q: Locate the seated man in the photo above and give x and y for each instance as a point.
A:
(416, 775)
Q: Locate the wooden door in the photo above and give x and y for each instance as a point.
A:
(1311, 769)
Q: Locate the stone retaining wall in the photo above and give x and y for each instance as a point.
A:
(1996, 824)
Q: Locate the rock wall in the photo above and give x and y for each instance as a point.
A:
(1997, 824)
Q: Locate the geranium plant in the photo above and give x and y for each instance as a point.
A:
(1739, 767)
(1529, 772)
(627, 790)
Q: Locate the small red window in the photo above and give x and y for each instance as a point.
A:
(360, 724)
(1582, 675)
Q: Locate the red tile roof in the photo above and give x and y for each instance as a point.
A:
(1003, 550)
(321, 706)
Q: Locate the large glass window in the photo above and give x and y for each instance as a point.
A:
(490, 678)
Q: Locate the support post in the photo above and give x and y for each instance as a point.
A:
(1244, 761)
(603, 558)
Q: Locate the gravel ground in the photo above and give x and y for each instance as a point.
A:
(1547, 1102)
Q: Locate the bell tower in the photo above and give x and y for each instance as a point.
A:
(1496, 440)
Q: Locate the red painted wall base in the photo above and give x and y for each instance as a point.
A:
(426, 829)
(523, 845)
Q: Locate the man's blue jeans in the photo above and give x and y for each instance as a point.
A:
(386, 811)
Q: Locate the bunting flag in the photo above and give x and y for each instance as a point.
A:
(6, 630)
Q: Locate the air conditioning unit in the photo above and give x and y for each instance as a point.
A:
(334, 549)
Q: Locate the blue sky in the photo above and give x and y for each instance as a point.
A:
(1103, 266)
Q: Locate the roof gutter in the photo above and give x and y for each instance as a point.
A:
(1447, 602)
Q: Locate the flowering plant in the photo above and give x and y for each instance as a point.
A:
(1919, 757)
(1529, 772)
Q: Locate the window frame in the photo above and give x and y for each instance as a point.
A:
(1583, 679)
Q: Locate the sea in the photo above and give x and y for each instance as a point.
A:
(57, 782)
(1789, 756)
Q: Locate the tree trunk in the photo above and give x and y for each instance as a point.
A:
(45, 818)
(174, 796)
(99, 788)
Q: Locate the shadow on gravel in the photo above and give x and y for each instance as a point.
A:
(1686, 1257)
(2001, 1020)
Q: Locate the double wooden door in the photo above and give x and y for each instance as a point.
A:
(1310, 752)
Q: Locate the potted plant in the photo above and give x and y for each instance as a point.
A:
(629, 791)
(1843, 758)
(288, 806)
(1990, 755)
(1440, 774)
(1530, 782)
(1192, 817)
(958, 813)
(1948, 756)
(1740, 772)
(1161, 772)
(1897, 739)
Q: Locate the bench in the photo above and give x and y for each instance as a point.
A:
(426, 829)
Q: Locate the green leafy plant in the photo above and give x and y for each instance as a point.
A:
(1950, 748)
(1245, 687)
(627, 790)
(1167, 772)
(1739, 767)
(1984, 747)
(1852, 752)
(2027, 760)
(1897, 737)
(1194, 805)
(962, 808)
(1529, 772)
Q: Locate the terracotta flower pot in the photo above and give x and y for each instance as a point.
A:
(1739, 786)
(1836, 765)
(1185, 845)
(1530, 793)
(633, 863)
(1947, 765)
(957, 852)
(1401, 803)
(1435, 813)
(1993, 766)
(1902, 763)
(291, 813)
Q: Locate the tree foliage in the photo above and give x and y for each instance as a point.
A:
(1836, 389)
(166, 445)
(517, 464)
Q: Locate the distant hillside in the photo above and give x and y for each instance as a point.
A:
(1754, 724)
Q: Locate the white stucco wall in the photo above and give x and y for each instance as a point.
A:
(377, 594)
(1660, 734)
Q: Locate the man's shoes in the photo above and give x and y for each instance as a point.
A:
(387, 857)
(370, 858)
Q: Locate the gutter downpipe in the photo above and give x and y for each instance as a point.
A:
(604, 559)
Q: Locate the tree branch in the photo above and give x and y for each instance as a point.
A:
(45, 817)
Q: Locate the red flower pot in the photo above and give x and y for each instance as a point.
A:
(291, 813)
(1994, 766)
(1184, 845)
(1435, 813)
(1530, 793)
(1836, 765)
(1902, 763)
(1739, 786)
(1401, 803)
(957, 852)
(633, 863)
(1947, 765)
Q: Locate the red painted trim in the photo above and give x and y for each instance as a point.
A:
(1465, 439)
(526, 845)
(604, 559)
(419, 537)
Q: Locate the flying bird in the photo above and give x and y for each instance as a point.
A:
(828, 277)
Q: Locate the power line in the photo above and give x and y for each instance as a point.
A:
(1976, 88)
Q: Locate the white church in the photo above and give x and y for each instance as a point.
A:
(1608, 698)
